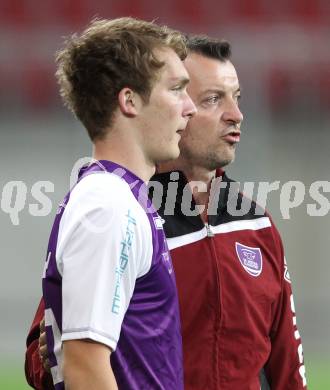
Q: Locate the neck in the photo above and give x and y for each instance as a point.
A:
(205, 177)
(193, 174)
(119, 148)
(199, 174)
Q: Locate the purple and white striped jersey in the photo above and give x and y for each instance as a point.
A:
(109, 277)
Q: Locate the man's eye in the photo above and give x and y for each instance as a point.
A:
(212, 99)
(177, 88)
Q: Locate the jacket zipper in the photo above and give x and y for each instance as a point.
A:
(210, 235)
(209, 230)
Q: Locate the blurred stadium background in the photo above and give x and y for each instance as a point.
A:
(282, 54)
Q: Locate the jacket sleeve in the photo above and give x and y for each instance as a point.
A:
(285, 368)
(35, 374)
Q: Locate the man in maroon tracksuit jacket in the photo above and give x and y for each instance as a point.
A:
(238, 319)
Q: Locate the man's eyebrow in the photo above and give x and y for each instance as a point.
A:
(219, 91)
(182, 81)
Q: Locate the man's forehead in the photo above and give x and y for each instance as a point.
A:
(199, 65)
(173, 65)
(211, 73)
(220, 83)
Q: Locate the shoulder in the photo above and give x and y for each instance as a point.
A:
(102, 196)
(103, 212)
(102, 187)
(101, 190)
(240, 207)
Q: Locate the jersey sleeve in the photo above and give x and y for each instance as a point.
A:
(104, 245)
(35, 374)
(285, 368)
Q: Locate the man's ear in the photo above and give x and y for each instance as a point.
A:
(129, 102)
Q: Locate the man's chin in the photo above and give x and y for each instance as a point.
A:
(228, 161)
(229, 157)
(170, 157)
(223, 162)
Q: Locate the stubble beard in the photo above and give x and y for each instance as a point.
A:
(218, 159)
(210, 161)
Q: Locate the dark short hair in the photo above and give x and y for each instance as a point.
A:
(209, 47)
(109, 55)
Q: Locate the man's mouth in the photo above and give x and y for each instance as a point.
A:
(233, 137)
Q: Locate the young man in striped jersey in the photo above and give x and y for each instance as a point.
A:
(108, 285)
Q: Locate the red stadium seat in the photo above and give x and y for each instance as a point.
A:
(14, 13)
(73, 14)
(190, 12)
(251, 11)
(129, 8)
(306, 11)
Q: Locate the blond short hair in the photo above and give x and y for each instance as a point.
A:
(109, 55)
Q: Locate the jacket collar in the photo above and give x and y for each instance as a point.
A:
(176, 189)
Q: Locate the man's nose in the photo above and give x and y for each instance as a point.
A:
(232, 113)
(190, 108)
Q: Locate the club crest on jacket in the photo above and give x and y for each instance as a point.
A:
(250, 258)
